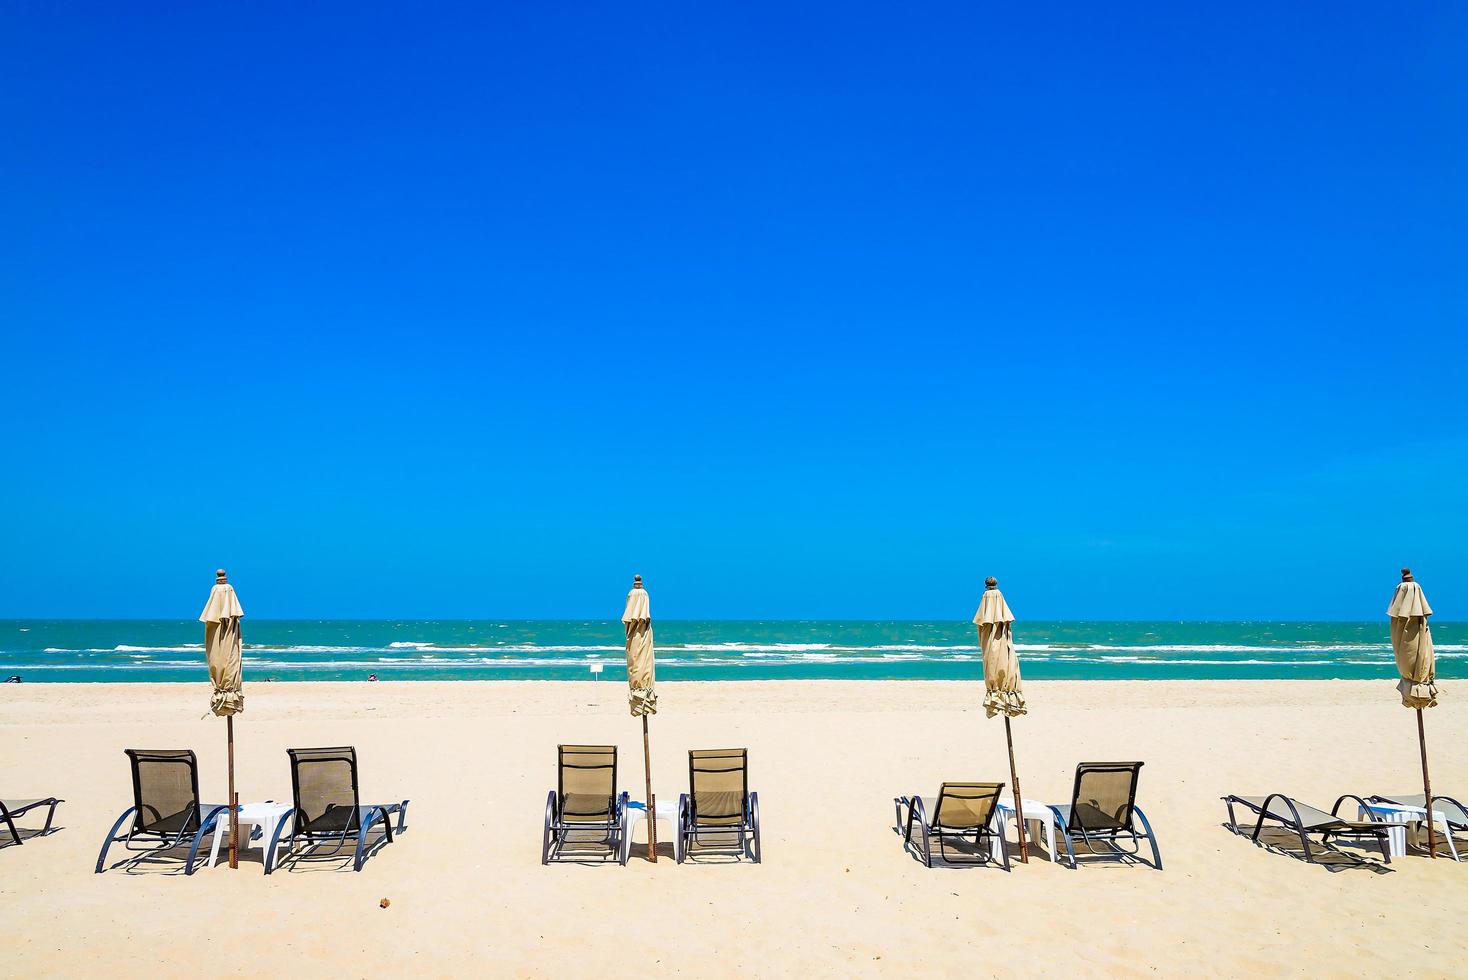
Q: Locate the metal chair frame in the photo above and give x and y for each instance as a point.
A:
(1071, 826)
(200, 820)
(987, 834)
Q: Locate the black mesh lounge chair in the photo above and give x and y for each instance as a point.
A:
(719, 813)
(1103, 812)
(585, 816)
(962, 813)
(166, 812)
(1305, 820)
(10, 810)
(1456, 813)
(327, 808)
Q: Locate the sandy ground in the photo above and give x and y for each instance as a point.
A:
(836, 895)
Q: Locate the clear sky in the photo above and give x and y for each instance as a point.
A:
(798, 310)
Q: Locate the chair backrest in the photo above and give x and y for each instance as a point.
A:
(324, 787)
(586, 781)
(1104, 795)
(718, 782)
(966, 806)
(165, 790)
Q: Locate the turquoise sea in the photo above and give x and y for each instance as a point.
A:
(169, 650)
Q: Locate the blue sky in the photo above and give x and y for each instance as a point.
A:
(475, 311)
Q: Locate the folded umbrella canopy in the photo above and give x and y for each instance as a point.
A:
(1412, 644)
(1417, 670)
(221, 618)
(641, 663)
(1003, 690)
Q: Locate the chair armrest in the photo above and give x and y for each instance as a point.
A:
(1335, 810)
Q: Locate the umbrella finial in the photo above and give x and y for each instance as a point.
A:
(991, 582)
(220, 577)
(1406, 575)
(637, 581)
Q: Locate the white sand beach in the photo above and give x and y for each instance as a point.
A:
(836, 894)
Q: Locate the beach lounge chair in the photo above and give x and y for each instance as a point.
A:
(1305, 820)
(585, 816)
(718, 813)
(166, 812)
(1456, 813)
(961, 813)
(1103, 812)
(327, 808)
(10, 810)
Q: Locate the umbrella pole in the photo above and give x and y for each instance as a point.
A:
(652, 805)
(234, 816)
(1426, 786)
(1019, 810)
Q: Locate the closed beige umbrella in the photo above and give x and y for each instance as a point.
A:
(1003, 691)
(642, 699)
(221, 618)
(641, 664)
(1412, 644)
(1417, 670)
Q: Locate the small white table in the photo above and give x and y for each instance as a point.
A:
(1035, 812)
(1397, 836)
(267, 816)
(667, 810)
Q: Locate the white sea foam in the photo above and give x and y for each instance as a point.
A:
(124, 648)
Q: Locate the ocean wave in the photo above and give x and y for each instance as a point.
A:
(755, 650)
(1153, 661)
(124, 648)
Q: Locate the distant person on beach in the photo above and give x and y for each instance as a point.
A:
(372, 677)
(13, 679)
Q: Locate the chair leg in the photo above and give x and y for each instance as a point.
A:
(1151, 837)
(754, 818)
(548, 835)
(194, 849)
(112, 836)
(1070, 850)
(623, 816)
(681, 843)
(372, 815)
(274, 842)
(206, 825)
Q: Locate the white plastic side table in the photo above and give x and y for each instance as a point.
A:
(1397, 836)
(1035, 812)
(667, 810)
(267, 816)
